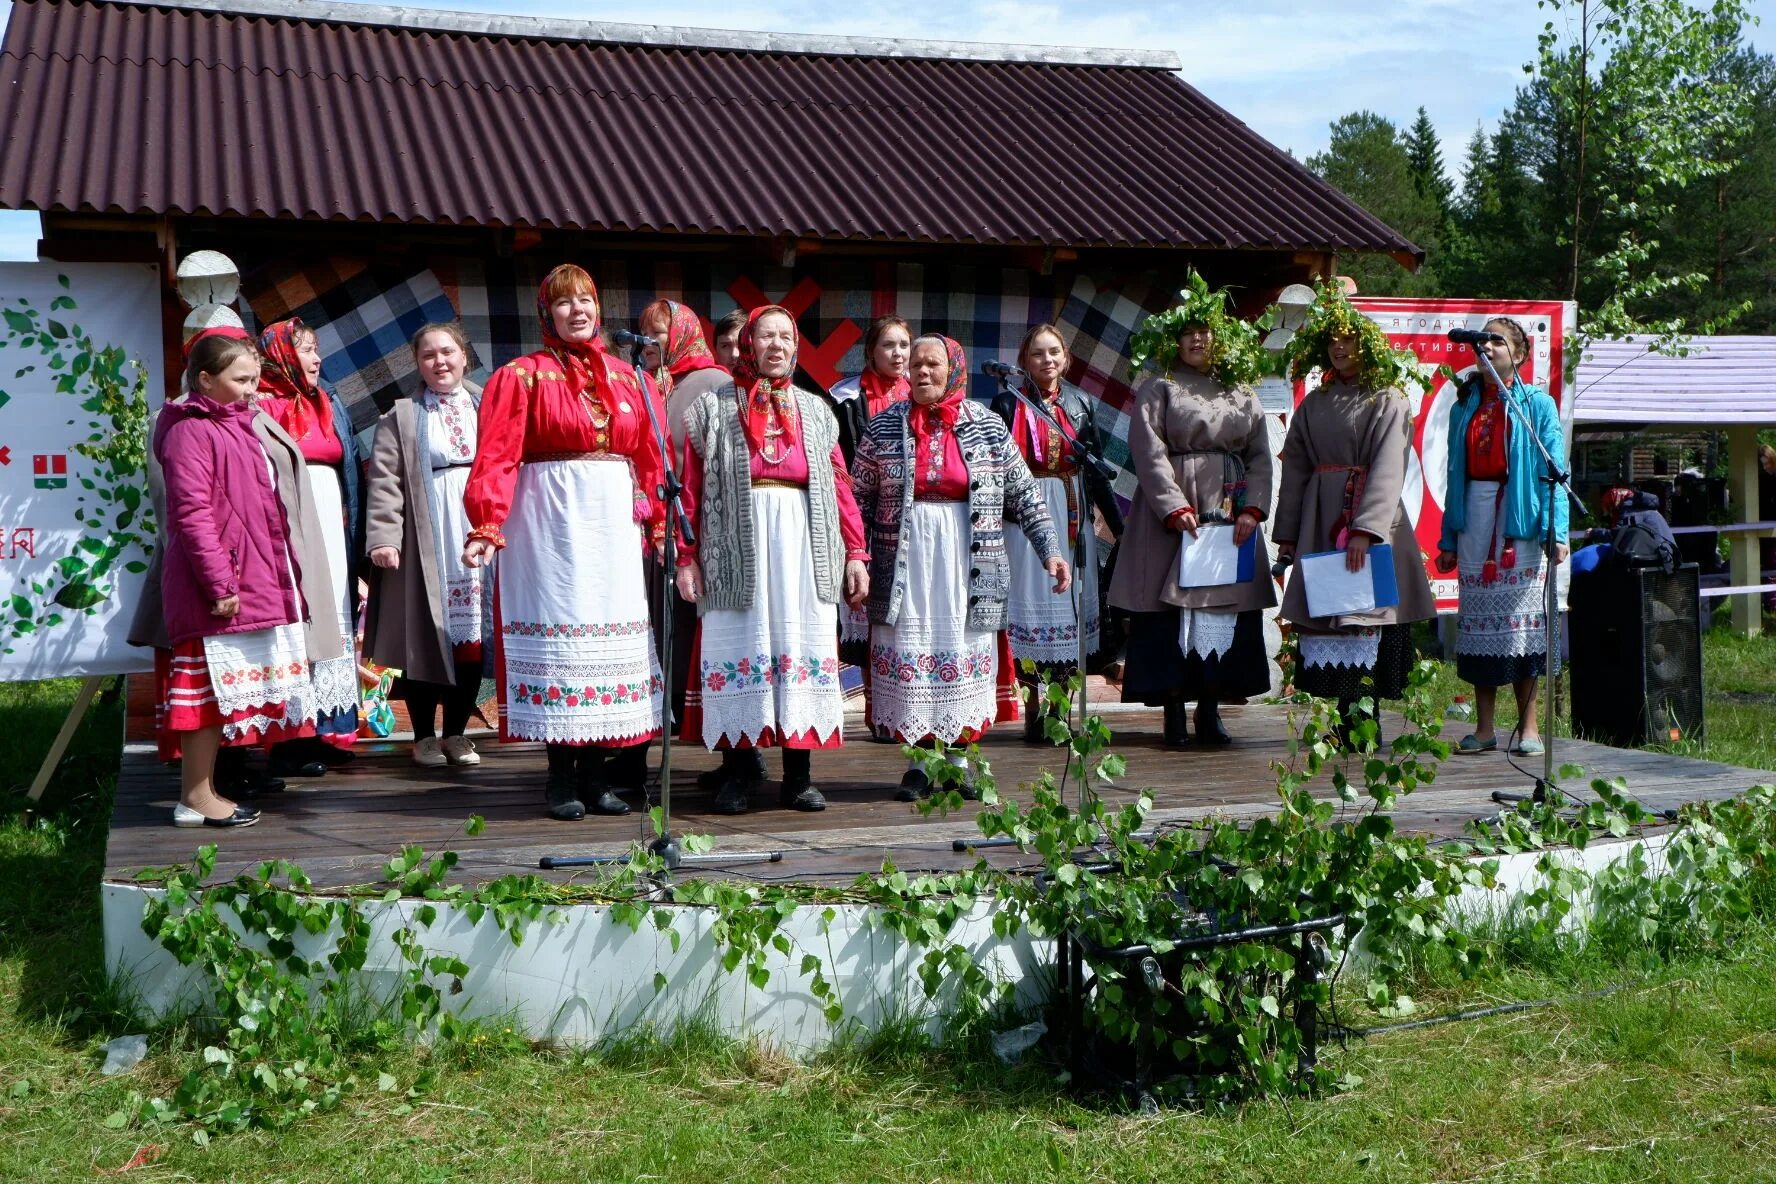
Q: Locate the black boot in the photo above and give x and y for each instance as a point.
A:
(1208, 723)
(594, 791)
(1034, 714)
(748, 764)
(798, 792)
(561, 790)
(914, 784)
(1177, 734)
(625, 770)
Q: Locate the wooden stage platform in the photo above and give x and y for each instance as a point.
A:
(342, 828)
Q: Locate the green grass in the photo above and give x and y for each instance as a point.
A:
(1739, 710)
(1673, 1077)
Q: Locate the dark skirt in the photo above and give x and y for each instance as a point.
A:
(1393, 670)
(1485, 670)
(1158, 672)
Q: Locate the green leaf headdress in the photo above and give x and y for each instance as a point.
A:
(1237, 357)
(1379, 365)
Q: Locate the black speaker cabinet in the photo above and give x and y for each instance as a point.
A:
(1636, 655)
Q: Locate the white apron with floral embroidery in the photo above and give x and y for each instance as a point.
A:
(931, 675)
(774, 666)
(574, 649)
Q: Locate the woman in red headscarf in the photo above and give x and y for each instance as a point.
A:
(779, 544)
(682, 364)
(562, 487)
(290, 392)
(937, 478)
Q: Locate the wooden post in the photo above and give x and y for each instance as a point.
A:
(88, 688)
(1742, 490)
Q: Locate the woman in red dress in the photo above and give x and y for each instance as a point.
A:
(563, 490)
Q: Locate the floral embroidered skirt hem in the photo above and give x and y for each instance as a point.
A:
(1225, 658)
(1043, 625)
(254, 686)
(574, 659)
(769, 675)
(1499, 632)
(932, 677)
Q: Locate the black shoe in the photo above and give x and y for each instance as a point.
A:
(746, 764)
(609, 803)
(1177, 733)
(914, 784)
(332, 756)
(563, 798)
(801, 795)
(184, 815)
(732, 797)
(297, 768)
(1208, 724)
(625, 770)
(244, 782)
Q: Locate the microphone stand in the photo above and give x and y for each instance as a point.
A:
(670, 491)
(1081, 457)
(1559, 481)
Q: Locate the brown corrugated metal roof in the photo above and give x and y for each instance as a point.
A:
(134, 109)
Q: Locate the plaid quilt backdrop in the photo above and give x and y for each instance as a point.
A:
(364, 313)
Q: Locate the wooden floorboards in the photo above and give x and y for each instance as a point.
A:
(342, 828)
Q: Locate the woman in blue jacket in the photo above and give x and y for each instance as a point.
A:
(1495, 520)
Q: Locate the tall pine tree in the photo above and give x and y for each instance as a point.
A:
(1367, 159)
(1425, 156)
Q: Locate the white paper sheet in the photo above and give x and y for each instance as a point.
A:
(1331, 590)
(1209, 560)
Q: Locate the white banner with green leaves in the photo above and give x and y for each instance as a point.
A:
(80, 360)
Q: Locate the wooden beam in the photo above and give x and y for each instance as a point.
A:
(1742, 493)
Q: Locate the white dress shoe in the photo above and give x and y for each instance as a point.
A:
(460, 750)
(430, 753)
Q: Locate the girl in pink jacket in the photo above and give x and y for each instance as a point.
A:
(239, 661)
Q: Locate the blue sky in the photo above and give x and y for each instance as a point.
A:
(1285, 67)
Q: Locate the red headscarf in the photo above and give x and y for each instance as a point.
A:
(880, 392)
(586, 363)
(924, 418)
(281, 378)
(685, 350)
(763, 400)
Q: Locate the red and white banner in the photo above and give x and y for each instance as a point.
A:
(1423, 326)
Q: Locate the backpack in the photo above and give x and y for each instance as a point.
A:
(1643, 539)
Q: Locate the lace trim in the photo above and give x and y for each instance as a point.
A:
(1358, 649)
(1206, 632)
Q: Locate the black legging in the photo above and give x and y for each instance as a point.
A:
(459, 701)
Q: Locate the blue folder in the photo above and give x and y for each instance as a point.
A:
(1381, 576)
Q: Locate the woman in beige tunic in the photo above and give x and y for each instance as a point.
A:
(1344, 467)
(1199, 449)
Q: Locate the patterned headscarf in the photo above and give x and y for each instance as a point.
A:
(587, 363)
(763, 400)
(926, 418)
(281, 378)
(685, 350)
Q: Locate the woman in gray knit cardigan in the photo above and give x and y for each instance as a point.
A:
(936, 478)
(779, 541)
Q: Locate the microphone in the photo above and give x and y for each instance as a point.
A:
(628, 340)
(1001, 370)
(1473, 337)
(1283, 564)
